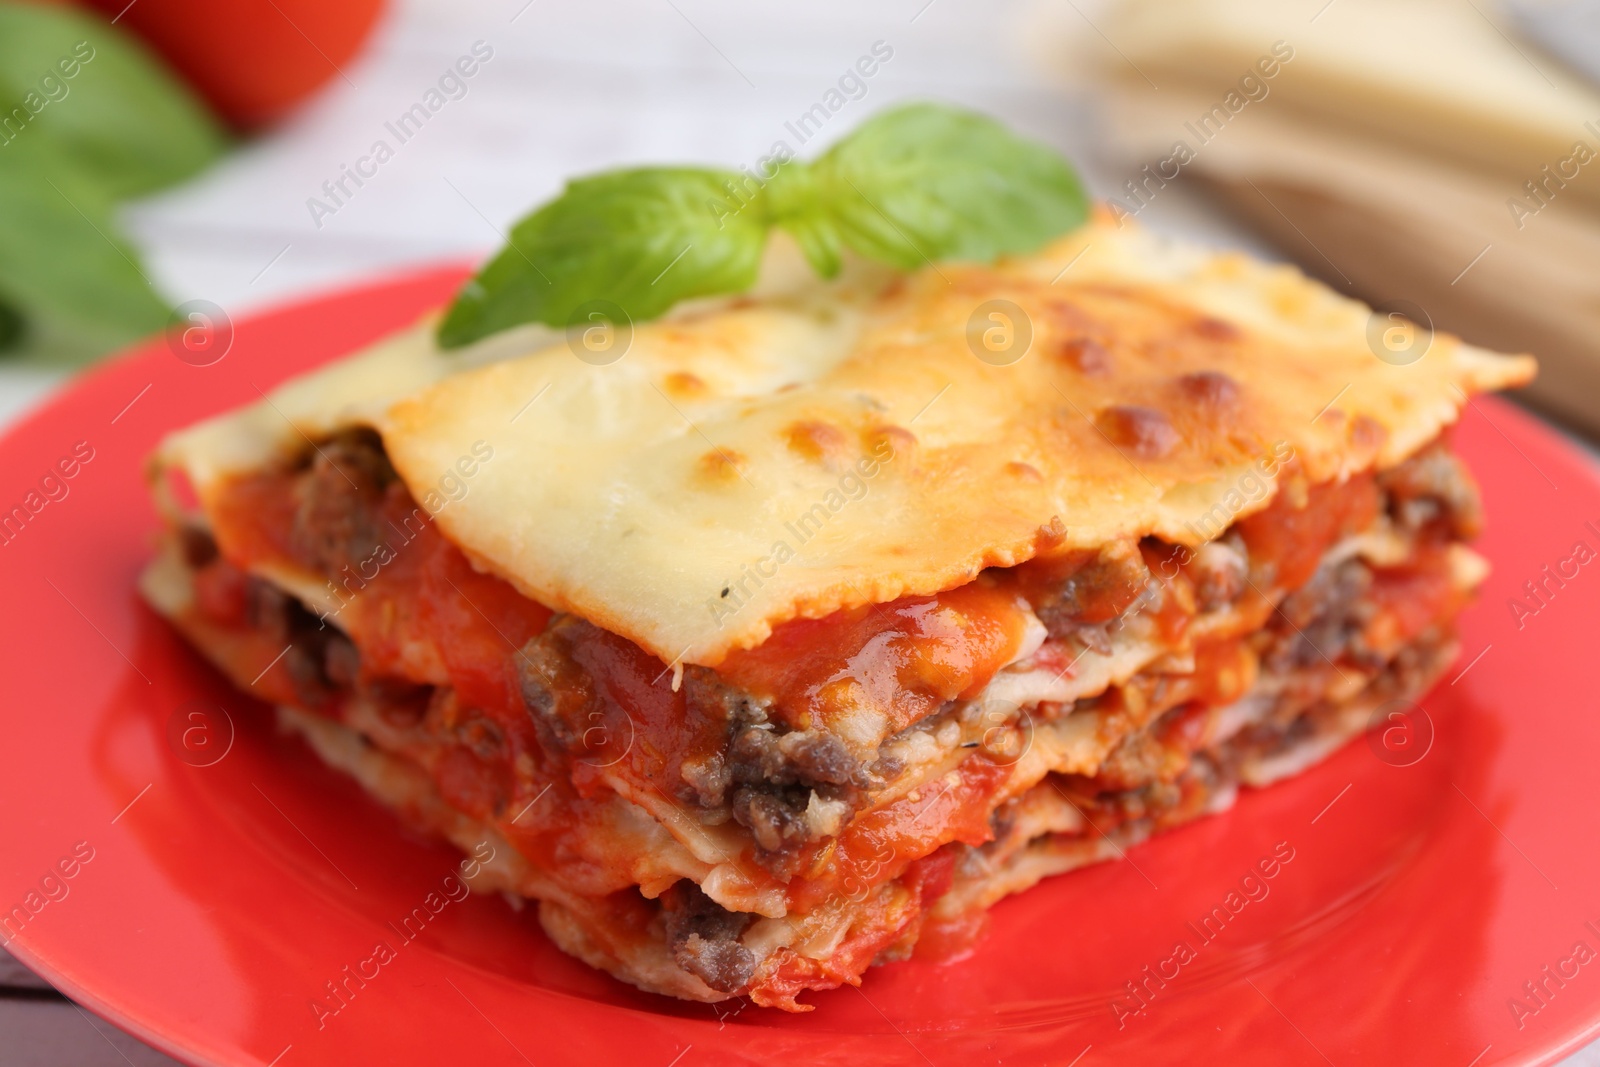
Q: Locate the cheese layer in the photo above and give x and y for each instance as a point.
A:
(822, 445)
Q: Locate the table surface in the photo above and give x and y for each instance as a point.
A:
(569, 88)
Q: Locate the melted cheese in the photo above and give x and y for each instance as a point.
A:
(826, 445)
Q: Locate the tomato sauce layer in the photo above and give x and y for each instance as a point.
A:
(902, 660)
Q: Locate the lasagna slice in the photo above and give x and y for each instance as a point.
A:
(793, 639)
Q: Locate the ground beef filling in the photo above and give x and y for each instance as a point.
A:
(741, 763)
(1432, 498)
(737, 763)
(1082, 596)
(320, 660)
(703, 937)
(338, 518)
(1141, 788)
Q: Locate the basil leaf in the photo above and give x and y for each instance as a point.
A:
(63, 263)
(913, 185)
(642, 239)
(120, 118)
(925, 182)
(88, 117)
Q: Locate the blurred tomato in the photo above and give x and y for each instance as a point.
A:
(254, 60)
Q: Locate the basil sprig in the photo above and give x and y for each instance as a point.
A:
(88, 119)
(913, 185)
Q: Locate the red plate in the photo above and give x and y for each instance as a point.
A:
(1433, 872)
